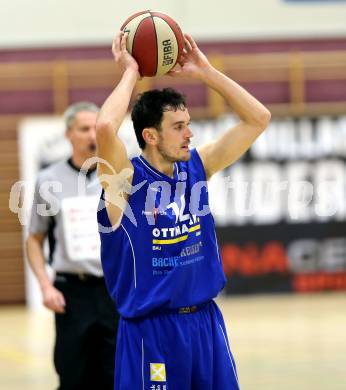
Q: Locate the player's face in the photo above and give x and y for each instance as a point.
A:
(82, 134)
(175, 136)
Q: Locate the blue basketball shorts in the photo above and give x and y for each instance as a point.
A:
(175, 351)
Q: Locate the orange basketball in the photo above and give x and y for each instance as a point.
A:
(155, 41)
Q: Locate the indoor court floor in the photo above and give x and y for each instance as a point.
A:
(280, 342)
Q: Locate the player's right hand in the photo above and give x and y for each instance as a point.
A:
(53, 299)
(192, 63)
(121, 56)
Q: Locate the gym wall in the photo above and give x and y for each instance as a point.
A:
(38, 38)
(51, 22)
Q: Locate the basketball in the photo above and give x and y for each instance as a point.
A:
(155, 41)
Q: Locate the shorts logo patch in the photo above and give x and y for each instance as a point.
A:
(157, 372)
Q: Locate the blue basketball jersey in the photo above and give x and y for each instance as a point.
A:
(164, 254)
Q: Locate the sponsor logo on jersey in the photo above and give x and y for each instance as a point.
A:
(155, 213)
(171, 262)
(157, 372)
(158, 387)
(178, 233)
(163, 262)
(191, 250)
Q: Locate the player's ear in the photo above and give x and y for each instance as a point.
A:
(150, 136)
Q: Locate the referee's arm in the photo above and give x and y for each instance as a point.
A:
(38, 228)
(52, 298)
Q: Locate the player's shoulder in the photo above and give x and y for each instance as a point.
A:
(195, 156)
(195, 165)
(194, 160)
(142, 170)
(135, 161)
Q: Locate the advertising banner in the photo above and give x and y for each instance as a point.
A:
(281, 210)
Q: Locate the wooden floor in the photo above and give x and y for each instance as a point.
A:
(285, 342)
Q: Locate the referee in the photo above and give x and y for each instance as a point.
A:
(85, 317)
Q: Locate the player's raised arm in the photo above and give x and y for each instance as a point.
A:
(113, 112)
(254, 117)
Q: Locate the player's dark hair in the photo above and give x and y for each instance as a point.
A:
(149, 108)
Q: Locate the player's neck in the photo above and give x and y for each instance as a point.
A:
(159, 162)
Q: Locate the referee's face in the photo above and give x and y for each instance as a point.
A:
(82, 134)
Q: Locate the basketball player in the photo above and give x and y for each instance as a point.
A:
(85, 316)
(159, 249)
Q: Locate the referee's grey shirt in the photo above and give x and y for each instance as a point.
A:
(67, 174)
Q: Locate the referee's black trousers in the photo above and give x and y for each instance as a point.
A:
(84, 351)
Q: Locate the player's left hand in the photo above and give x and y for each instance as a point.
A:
(192, 62)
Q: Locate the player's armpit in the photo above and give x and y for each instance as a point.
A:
(115, 215)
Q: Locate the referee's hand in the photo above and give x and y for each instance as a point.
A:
(53, 299)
